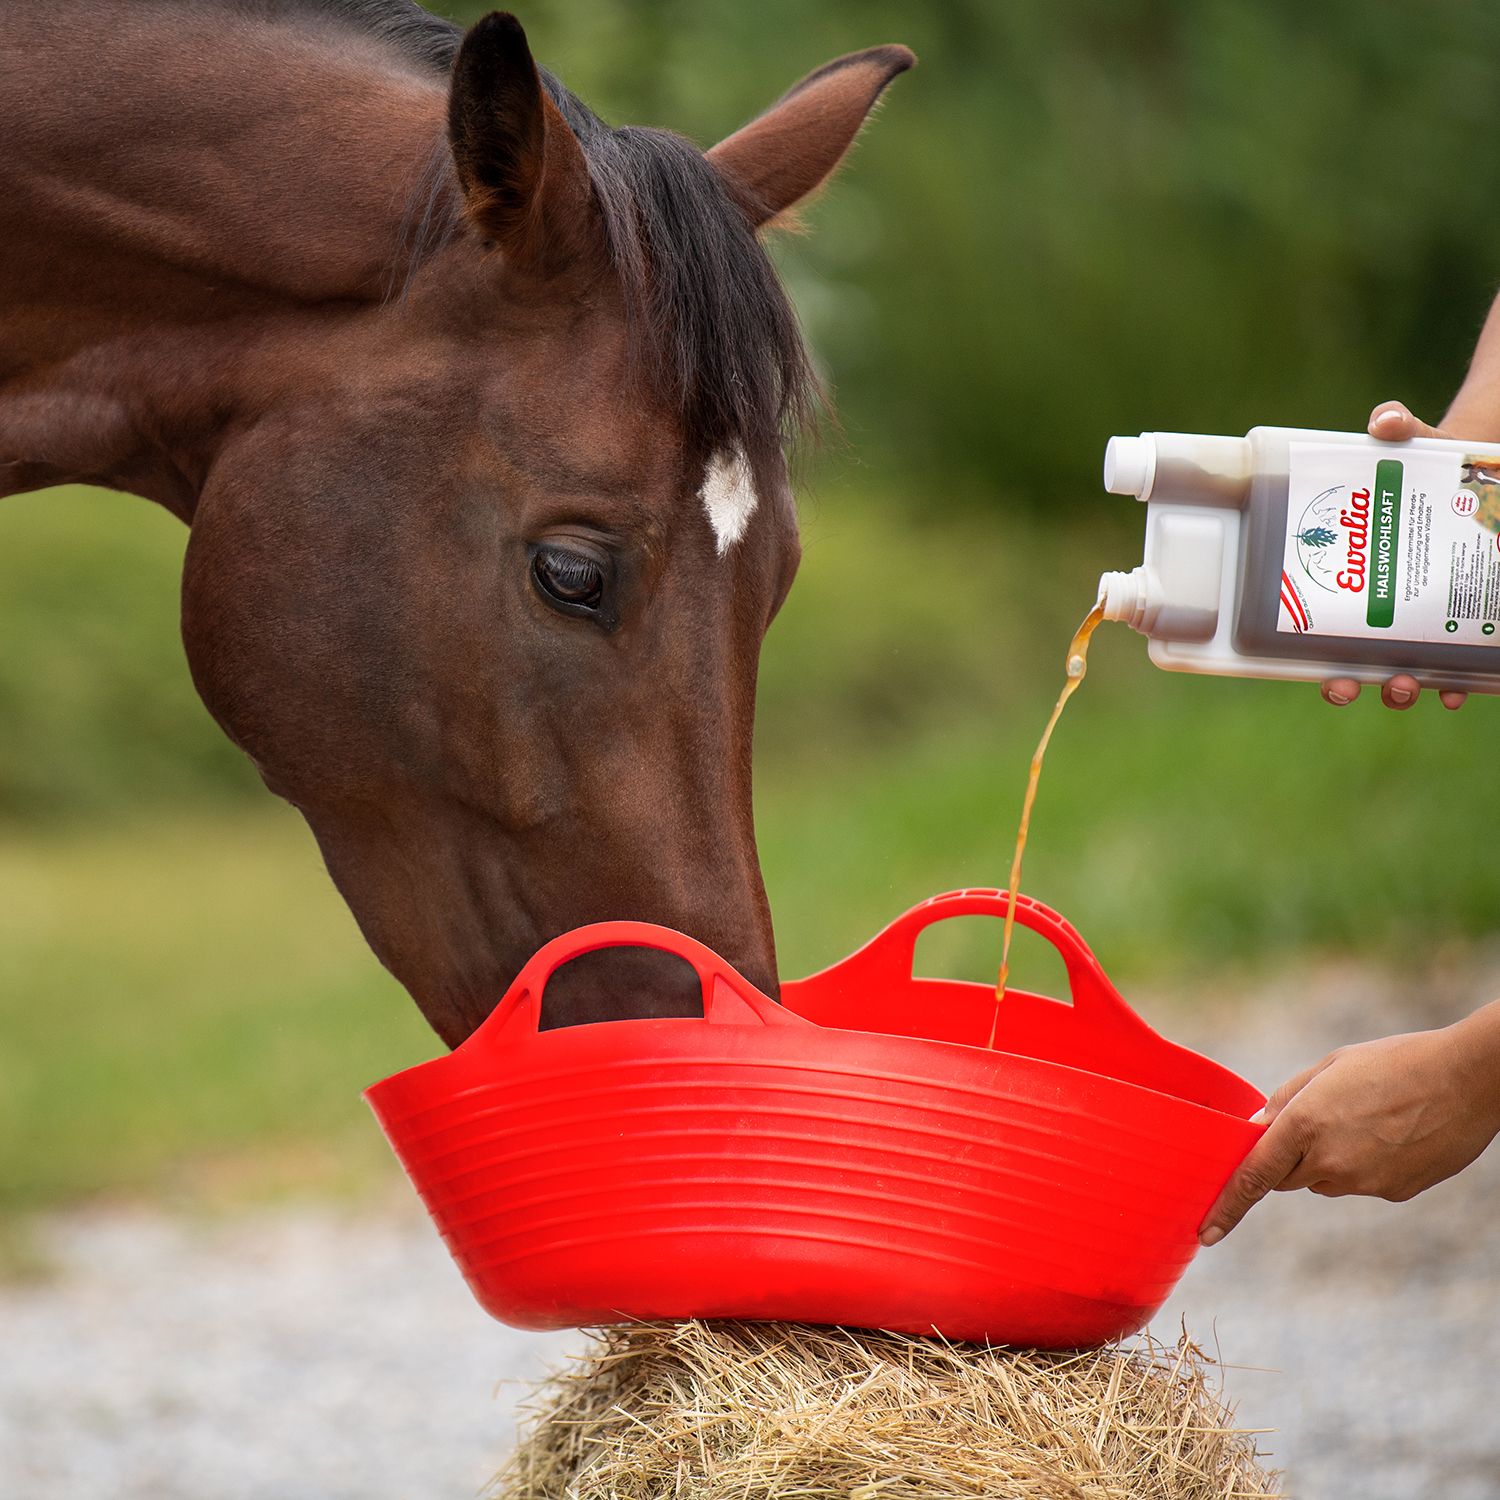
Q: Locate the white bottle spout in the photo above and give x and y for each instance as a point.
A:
(1129, 598)
(1175, 595)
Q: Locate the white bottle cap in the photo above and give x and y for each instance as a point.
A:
(1130, 466)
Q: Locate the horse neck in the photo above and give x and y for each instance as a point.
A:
(179, 186)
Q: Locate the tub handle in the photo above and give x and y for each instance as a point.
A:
(728, 997)
(890, 955)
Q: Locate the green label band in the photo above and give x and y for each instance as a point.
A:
(1380, 607)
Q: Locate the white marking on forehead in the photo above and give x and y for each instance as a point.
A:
(729, 497)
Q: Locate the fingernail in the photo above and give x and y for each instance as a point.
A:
(1400, 695)
(1342, 699)
(1211, 1236)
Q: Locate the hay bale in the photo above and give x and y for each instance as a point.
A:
(750, 1411)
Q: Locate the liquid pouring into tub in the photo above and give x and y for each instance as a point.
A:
(1300, 555)
(1077, 666)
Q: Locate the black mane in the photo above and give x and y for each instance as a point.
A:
(710, 321)
(706, 306)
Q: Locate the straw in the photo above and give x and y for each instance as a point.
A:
(751, 1411)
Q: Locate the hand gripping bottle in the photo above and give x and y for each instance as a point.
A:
(1299, 554)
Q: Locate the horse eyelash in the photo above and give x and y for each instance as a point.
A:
(571, 568)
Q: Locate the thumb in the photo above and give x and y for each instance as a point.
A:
(1290, 1089)
(1392, 422)
(1270, 1162)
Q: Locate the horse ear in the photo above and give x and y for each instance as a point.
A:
(524, 178)
(784, 154)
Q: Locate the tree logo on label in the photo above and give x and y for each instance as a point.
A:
(1332, 536)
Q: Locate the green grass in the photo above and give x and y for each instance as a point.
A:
(186, 1007)
(185, 1004)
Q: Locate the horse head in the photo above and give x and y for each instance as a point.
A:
(480, 577)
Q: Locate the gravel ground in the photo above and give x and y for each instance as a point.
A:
(1368, 1333)
(308, 1354)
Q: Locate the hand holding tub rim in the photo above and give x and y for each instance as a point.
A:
(1388, 1119)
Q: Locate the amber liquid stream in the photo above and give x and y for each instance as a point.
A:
(1078, 664)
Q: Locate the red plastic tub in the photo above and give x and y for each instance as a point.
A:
(855, 1155)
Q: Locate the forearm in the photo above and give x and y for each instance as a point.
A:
(1478, 1060)
(1475, 412)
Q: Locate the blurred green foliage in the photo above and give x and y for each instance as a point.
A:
(1075, 219)
(1071, 220)
(97, 712)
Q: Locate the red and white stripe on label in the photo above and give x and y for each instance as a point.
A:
(1291, 602)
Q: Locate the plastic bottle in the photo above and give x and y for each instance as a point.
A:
(1299, 554)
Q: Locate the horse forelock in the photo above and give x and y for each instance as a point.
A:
(708, 314)
(711, 327)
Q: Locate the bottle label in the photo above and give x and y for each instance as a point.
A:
(1399, 547)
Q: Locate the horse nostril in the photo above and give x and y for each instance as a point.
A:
(621, 984)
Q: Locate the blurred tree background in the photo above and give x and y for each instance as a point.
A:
(1072, 220)
(1078, 219)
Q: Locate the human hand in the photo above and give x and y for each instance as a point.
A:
(1385, 1119)
(1393, 423)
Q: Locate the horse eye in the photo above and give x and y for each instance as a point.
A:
(571, 579)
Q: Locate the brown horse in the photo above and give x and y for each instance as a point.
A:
(476, 408)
